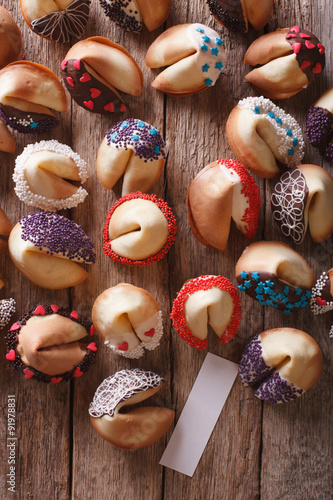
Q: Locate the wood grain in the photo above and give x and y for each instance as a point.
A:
(257, 450)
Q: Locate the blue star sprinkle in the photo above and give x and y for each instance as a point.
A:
(289, 132)
(295, 141)
(156, 150)
(153, 132)
(208, 82)
(243, 275)
(113, 136)
(290, 151)
(298, 291)
(135, 137)
(271, 114)
(200, 30)
(219, 41)
(247, 283)
(34, 124)
(215, 51)
(141, 123)
(278, 120)
(124, 125)
(256, 276)
(204, 48)
(219, 65)
(205, 68)
(256, 110)
(206, 38)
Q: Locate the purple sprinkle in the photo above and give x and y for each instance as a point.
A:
(115, 11)
(277, 390)
(149, 139)
(319, 130)
(252, 366)
(59, 235)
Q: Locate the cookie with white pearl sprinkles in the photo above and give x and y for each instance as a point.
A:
(51, 344)
(48, 249)
(322, 295)
(56, 21)
(287, 61)
(275, 275)
(260, 133)
(235, 15)
(29, 93)
(128, 319)
(195, 56)
(281, 364)
(45, 175)
(319, 124)
(126, 428)
(132, 149)
(222, 191)
(97, 71)
(303, 200)
(7, 309)
(206, 300)
(130, 15)
(139, 230)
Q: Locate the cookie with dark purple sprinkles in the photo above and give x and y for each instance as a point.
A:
(281, 364)
(229, 14)
(51, 344)
(319, 124)
(124, 13)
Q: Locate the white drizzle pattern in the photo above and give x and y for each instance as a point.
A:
(120, 387)
(288, 203)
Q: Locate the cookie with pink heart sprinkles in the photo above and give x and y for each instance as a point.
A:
(139, 230)
(206, 300)
(51, 344)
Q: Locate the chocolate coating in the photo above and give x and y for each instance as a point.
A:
(27, 123)
(229, 13)
(310, 53)
(319, 130)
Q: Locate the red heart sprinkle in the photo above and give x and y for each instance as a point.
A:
(70, 81)
(11, 355)
(15, 326)
(95, 92)
(56, 380)
(85, 77)
(321, 48)
(39, 311)
(123, 346)
(77, 63)
(290, 35)
(305, 64)
(109, 107)
(54, 308)
(122, 107)
(320, 301)
(92, 330)
(63, 64)
(317, 68)
(150, 333)
(77, 372)
(295, 28)
(92, 346)
(89, 104)
(28, 373)
(309, 45)
(75, 315)
(297, 47)
(303, 35)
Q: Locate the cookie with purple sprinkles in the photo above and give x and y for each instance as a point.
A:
(281, 364)
(319, 124)
(134, 149)
(51, 344)
(49, 248)
(36, 91)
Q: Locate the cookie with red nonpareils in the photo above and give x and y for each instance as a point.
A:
(190, 315)
(288, 59)
(139, 230)
(51, 344)
(222, 191)
(97, 71)
(281, 364)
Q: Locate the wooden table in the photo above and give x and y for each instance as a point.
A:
(257, 450)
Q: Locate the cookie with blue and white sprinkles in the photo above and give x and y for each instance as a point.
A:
(193, 66)
(134, 149)
(281, 364)
(280, 136)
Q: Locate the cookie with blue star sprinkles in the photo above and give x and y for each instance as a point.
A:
(261, 134)
(131, 15)
(319, 125)
(280, 364)
(286, 61)
(303, 200)
(139, 230)
(206, 300)
(275, 275)
(132, 149)
(195, 56)
(235, 15)
(56, 21)
(48, 249)
(29, 92)
(51, 344)
(97, 71)
(222, 191)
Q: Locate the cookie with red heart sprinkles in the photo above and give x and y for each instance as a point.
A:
(51, 344)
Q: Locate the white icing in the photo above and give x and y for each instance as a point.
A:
(205, 58)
